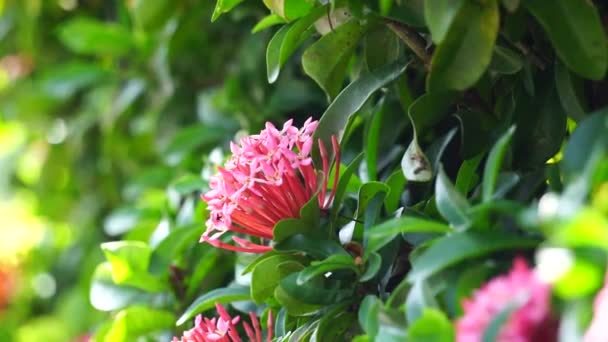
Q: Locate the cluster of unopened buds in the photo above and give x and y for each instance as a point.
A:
(269, 177)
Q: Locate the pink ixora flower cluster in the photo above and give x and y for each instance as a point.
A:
(531, 322)
(223, 329)
(269, 177)
(598, 331)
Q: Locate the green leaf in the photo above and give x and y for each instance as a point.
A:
(381, 47)
(266, 22)
(313, 293)
(452, 249)
(368, 314)
(567, 95)
(135, 321)
(451, 204)
(285, 42)
(151, 15)
(374, 262)
(493, 164)
(207, 301)
(439, 15)
(289, 9)
(477, 131)
(432, 326)
(367, 193)
(223, 6)
(92, 37)
(349, 101)
(293, 305)
(467, 174)
(419, 299)
(343, 185)
(466, 50)
(317, 249)
(575, 30)
(429, 109)
(590, 134)
(106, 295)
(383, 233)
(331, 263)
(267, 274)
(171, 247)
(310, 213)
(288, 227)
(129, 261)
(396, 183)
(334, 324)
(326, 60)
(505, 61)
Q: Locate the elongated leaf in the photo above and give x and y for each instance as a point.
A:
(342, 186)
(266, 22)
(318, 249)
(452, 249)
(450, 203)
(332, 263)
(267, 275)
(89, 36)
(273, 54)
(467, 175)
(466, 50)
(396, 183)
(439, 15)
(314, 294)
(325, 61)
(349, 101)
(575, 29)
(419, 299)
(505, 61)
(493, 164)
(382, 234)
(589, 135)
(223, 6)
(374, 262)
(208, 300)
(567, 95)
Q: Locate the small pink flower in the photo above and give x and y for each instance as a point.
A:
(598, 330)
(269, 177)
(531, 322)
(223, 329)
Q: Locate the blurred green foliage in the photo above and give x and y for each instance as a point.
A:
(471, 131)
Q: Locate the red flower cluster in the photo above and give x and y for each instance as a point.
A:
(223, 329)
(269, 177)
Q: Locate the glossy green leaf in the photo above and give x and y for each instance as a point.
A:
(106, 295)
(151, 15)
(289, 9)
(467, 174)
(493, 164)
(331, 263)
(92, 37)
(466, 50)
(312, 293)
(207, 301)
(318, 249)
(170, 247)
(284, 43)
(383, 233)
(293, 305)
(268, 21)
(575, 29)
(450, 203)
(439, 15)
(452, 249)
(368, 314)
(396, 183)
(567, 95)
(431, 326)
(223, 6)
(288, 227)
(267, 274)
(349, 101)
(374, 262)
(135, 321)
(381, 47)
(590, 134)
(326, 60)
